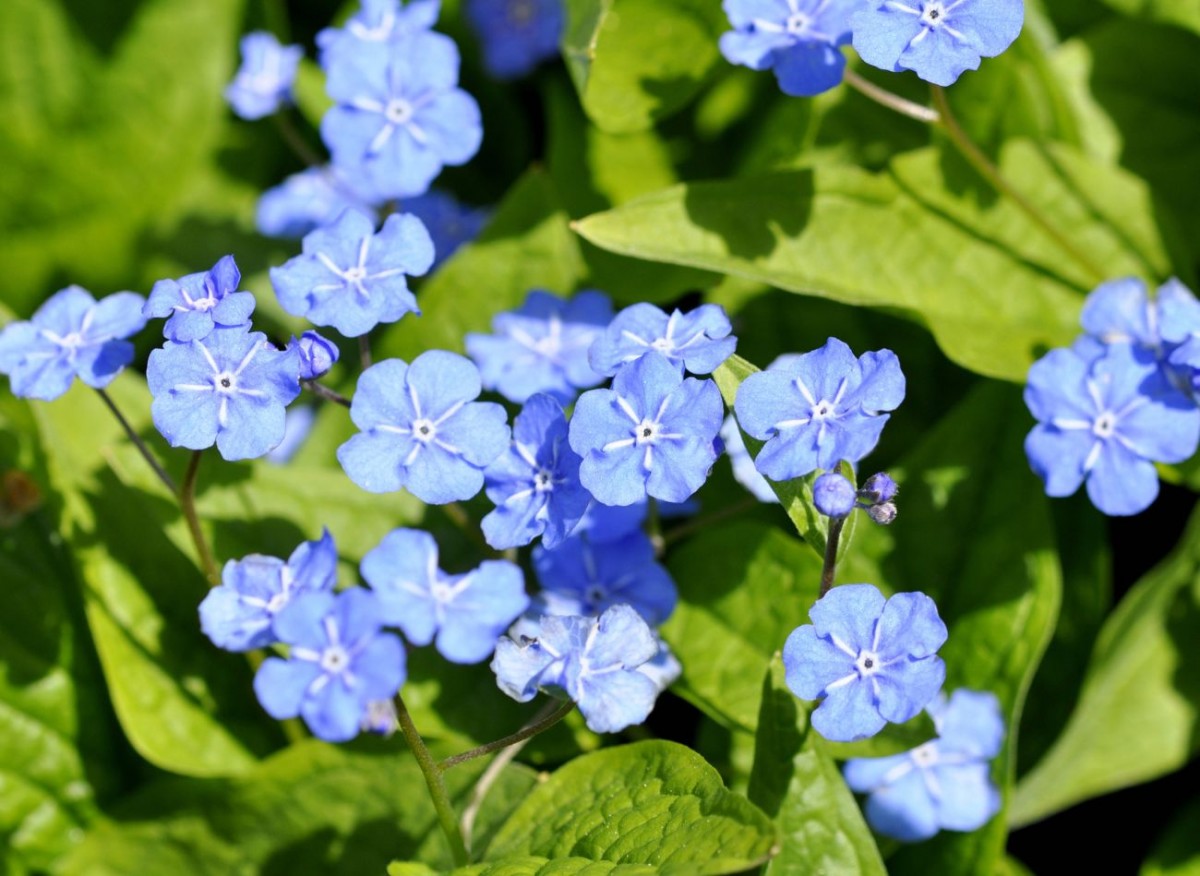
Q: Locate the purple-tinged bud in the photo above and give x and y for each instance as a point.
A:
(317, 355)
(878, 489)
(833, 495)
(883, 514)
(380, 718)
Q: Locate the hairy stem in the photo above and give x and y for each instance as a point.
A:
(138, 443)
(486, 780)
(437, 787)
(325, 392)
(829, 567)
(892, 101)
(187, 501)
(985, 168)
(551, 714)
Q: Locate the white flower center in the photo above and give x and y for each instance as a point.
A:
(1105, 425)
(424, 430)
(355, 274)
(225, 382)
(867, 663)
(543, 481)
(441, 592)
(798, 24)
(924, 756)
(74, 339)
(933, 14)
(398, 111)
(335, 659)
(646, 432)
(824, 410)
(277, 602)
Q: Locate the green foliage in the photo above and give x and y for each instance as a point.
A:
(1177, 852)
(655, 803)
(1137, 712)
(530, 866)
(797, 782)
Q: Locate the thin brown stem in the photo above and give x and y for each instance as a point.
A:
(892, 101)
(698, 523)
(364, 351)
(138, 443)
(325, 392)
(551, 714)
(985, 168)
(829, 567)
(187, 501)
(437, 787)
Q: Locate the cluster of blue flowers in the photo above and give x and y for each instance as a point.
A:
(1123, 397)
(801, 40)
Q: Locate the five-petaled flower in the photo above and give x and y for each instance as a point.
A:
(237, 615)
(800, 39)
(421, 429)
(517, 35)
(1106, 421)
(71, 335)
(698, 341)
(264, 81)
(231, 388)
(819, 408)
(869, 660)
(353, 279)
(400, 116)
(944, 784)
(466, 612)
(936, 39)
(339, 663)
(543, 346)
(194, 305)
(652, 434)
(535, 484)
(593, 661)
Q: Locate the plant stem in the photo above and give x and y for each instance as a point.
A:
(325, 392)
(831, 549)
(892, 101)
(437, 787)
(551, 714)
(486, 780)
(654, 526)
(364, 351)
(698, 523)
(187, 501)
(983, 165)
(138, 443)
(294, 140)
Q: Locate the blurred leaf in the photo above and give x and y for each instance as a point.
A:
(1137, 713)
(1185, 13)
(312, 809)
(994, 293)
(654, 802)
(525, 865)
(636, 61)
(796, 781)
(120, 147)
(526, 246)
(1177, 851)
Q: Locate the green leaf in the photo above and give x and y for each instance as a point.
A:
(1185, 13)
(994, 292)
(1137, 713)
(526, 865)
(637, 61)
(527, 245)
(892, 739)
(311, 809)
(1177, 851)
(796, 781)
(975, 534)
(654, 802)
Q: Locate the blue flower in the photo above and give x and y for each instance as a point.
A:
(377, 22)
(237, 615)
(338, 663)
(833, 495)
(817, 409)
(71, 335)
(744, 471)
(298, 425)
(652, 434)
(317, 354)
(465, 612)
(800, 39)
(543, 347)
(197, 303)
(517, 35)
(1186, 359)
(400, 116)
(593, 661)
(535, 484)
(870, 661)
(230, 388)
(421, 429)
(308, 200)
(663, 668)
(582, 578)
(699, 340)
(264, 81)
(944, 784)
(450, 223)
(1106, 422)
(353, 279)
(936, 39)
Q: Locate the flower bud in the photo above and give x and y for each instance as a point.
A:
(317, 355)
(878, 489)
(833, 495)
(883, 514)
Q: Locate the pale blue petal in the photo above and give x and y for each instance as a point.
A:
(812, 663)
